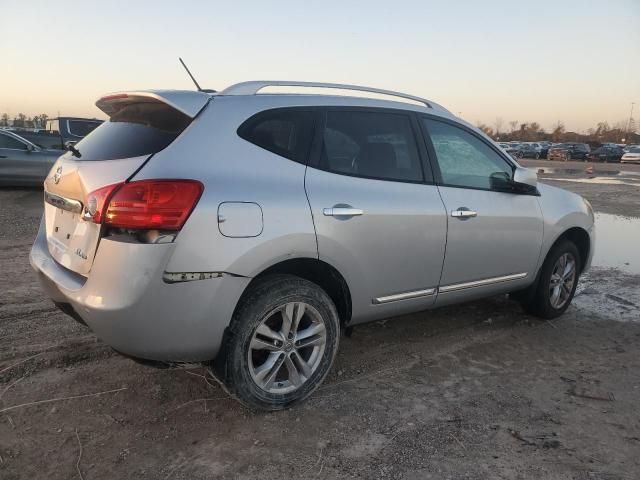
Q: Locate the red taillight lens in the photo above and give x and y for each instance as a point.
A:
(97, 202)
(151, 204)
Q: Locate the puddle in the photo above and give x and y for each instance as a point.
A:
(589, 173)
(617, 242)
(633, 182)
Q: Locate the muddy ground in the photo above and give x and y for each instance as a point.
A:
(479, 390)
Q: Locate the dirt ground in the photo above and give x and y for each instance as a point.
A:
(474, 391)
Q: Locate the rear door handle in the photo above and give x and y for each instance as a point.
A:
(342, 212)
(463, 213)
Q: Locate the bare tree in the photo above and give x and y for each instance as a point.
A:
(498, 124)
(513, 124)
(485, 128)
(558, 131)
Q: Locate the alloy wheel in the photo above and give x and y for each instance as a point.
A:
(563, 277)
(287, 347)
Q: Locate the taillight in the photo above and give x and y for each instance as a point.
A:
(147, 204)
(97, 202)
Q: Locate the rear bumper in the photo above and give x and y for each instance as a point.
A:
(126, 303)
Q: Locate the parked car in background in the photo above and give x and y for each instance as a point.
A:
(605, 154)
(569, 151)
(511, 149)
(21, 162)
(222, 234)
(529, 150)
(62, 130)
(628, 148)
(544, 148)
(632, 156)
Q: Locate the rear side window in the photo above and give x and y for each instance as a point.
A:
(134, 130)
(370, 144)
(286, 132)
(81, 128)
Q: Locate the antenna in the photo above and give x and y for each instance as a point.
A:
(192, 78)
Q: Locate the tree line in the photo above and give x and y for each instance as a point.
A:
(623, 131)
(22, 121)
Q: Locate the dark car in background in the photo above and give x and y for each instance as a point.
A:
(606, 153)
(529, 150)
(544, 148)
(569, 151)
(23, 163)
(62, 130)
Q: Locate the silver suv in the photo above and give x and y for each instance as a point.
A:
(249, 228)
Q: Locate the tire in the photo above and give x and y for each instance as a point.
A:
(539, 301)
(267, 305)
(537, 156)
(567, 157)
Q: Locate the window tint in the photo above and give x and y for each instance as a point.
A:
(8, 142)
(370, 144)
(81, 128)
(465, 160)
(134, 130)
(286, 132)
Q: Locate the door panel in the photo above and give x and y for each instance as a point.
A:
(504, 238)
(494, 235)
(395, 246)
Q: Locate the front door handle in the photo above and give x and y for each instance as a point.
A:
(463, 213)
(342, 212)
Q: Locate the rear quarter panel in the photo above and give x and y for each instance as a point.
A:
(234, 170)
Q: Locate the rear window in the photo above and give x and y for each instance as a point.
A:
(82, 128)
(285, 131)
(134, 130)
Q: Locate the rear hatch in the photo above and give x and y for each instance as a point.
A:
(140, 124)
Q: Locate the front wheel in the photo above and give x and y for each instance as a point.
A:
(557, 282)
(282, 342)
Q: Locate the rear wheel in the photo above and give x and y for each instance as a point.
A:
(283, 339)
(557, 282)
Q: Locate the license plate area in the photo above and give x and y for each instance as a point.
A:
(72, 241)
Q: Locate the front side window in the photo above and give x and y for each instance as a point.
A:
(370, 144)
(286, 132)
(8, 142)
(465, 160)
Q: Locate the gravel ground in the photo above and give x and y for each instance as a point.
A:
(478, 390)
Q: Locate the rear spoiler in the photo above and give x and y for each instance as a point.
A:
(184, 101)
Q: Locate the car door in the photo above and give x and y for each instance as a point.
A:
(378, 216)
(494, 235)
(14, 159)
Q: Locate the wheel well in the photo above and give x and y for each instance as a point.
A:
(580, 238)
(323, 275)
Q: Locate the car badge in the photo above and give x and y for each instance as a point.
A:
(57, 175)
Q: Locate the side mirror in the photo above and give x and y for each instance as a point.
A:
(526, 177)
(68, 144)
(30, 148)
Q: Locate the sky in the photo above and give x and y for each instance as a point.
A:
(577, 62)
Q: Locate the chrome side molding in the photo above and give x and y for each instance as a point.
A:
(405, 296)
(480, 283)
(447, 288)
(68, 204)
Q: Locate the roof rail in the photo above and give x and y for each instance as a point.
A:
(253, 87)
